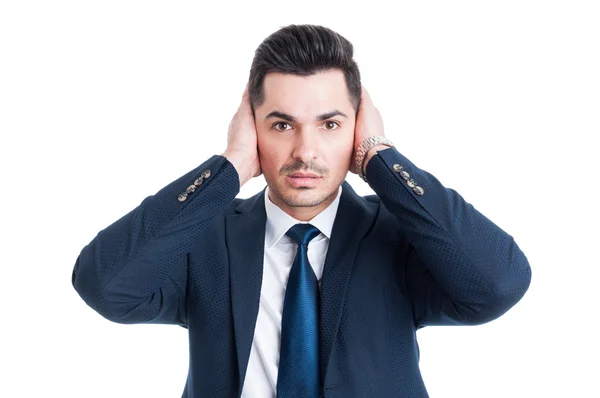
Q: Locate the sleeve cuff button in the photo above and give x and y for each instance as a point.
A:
(418, 190)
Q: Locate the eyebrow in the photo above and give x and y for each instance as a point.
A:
(292, 119)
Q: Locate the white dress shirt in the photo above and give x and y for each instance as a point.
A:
(280, 251)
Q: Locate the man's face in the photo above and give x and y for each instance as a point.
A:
(297, 136)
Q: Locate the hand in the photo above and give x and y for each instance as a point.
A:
(368, 123)
(242, 142)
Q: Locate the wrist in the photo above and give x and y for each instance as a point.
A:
(372, 152)
(370, 144)
(240, 164)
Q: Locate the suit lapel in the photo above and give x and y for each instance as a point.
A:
(353, 219)
(245, 246)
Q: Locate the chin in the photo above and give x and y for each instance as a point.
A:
(302, 197)
(305, 196)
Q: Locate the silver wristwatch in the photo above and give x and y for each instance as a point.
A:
(364, 147)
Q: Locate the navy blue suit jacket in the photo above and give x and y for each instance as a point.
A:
(397, 261)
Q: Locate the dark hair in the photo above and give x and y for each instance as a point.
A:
(303, 50)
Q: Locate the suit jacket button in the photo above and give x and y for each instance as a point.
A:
(198, 181)
(190, 189)
(418, 190)
(206, 173)
(411, 183)
(404, 174)
(182, 196)
(397, 167)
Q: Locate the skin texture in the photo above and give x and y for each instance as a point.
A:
(277, 147)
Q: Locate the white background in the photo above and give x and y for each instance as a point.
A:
(104, 103)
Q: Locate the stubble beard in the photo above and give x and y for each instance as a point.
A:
(298, 197)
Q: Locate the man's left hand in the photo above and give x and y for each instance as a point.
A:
(368, 123)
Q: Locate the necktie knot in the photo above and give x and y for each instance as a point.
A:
(303, 233)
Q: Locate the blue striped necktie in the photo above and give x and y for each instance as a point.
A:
(298, 374)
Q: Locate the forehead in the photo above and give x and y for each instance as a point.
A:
(305, 96)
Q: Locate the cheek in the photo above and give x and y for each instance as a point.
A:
(340, 153)
(269, 153)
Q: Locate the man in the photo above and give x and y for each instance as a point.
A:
(305, 289)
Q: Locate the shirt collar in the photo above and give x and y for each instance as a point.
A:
(279, 222)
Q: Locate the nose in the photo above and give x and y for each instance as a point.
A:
(305, 145)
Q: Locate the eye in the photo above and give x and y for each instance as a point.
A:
(331, 121)
(277, 124)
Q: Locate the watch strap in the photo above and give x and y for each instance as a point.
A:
(364, 148)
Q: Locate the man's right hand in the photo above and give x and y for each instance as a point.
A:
(242, 143)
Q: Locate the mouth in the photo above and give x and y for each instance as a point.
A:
(303, 179)
(303, 175)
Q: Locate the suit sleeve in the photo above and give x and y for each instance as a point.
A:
(135, 270)
(459, 267)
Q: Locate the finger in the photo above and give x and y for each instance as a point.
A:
(363, 99)
(245, 105)
(365, 96)
(245, 95)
